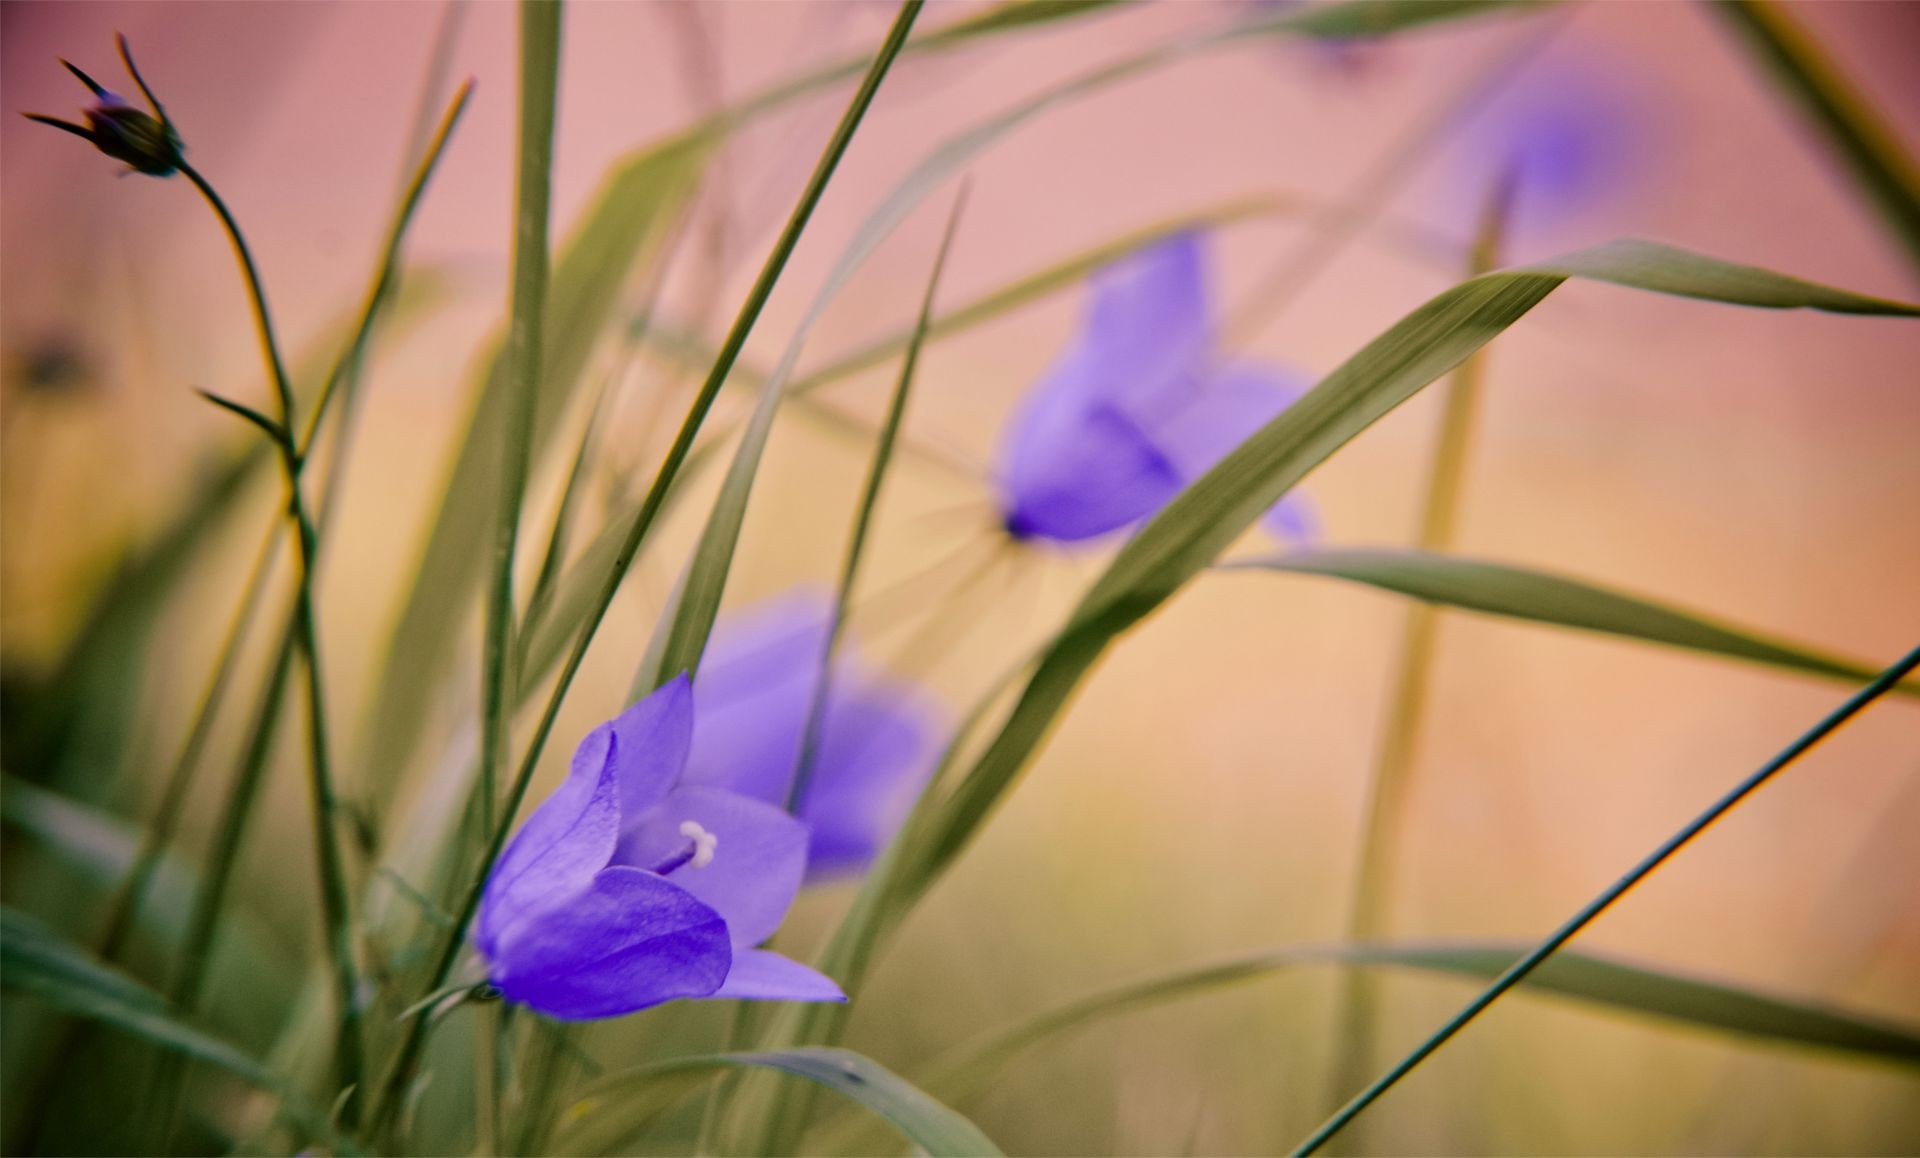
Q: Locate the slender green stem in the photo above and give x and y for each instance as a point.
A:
(409, 1056)
(539, 87)
(386, 276)
(863, 519)
(196, 947)
(1866, 145)
(1405, 719)
(335, 910)
(125, 905)
(1600, 904)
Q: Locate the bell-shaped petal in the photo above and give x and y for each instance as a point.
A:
(1151, 322)
(630, 940)
(623, 767)
(875, 757)
(1074, 465)
(555, 855)
(760, 975)
(1234, 403)
(739, 856)
(1079, 459)
(755, 690)
(654, 737)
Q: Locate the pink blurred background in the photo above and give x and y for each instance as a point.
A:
(1203, 797)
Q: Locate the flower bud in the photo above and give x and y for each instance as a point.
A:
(146, 141)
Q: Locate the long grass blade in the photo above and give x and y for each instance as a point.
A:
(402, 1070)
(1868, 147)
(606, 246)
(1535, 596)
(34, 961)
(966, 1071)
(1404, 722)
(621, 1106)
(1590, 912)
(539, 93)
(1186, 536)
(863, 518)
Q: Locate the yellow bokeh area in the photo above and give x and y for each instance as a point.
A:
(1202, 798)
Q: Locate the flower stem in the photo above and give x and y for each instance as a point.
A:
(335, 910)
(863, 521)
(1359, 1000)
(401, 1072)
(1600, 904)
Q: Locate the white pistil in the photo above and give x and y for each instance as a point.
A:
(704, 843)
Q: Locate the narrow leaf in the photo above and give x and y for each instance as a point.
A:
(617, 1108)
(1217, 508)
(273, 429)
(36, 962)
(1866, 145)
(626, 226)
(1543, 597)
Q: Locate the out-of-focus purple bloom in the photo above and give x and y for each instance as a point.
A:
(1570, 137)
(627, 888)
(1137, 407)
(874, 752)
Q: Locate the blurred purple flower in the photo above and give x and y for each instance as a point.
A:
(754, 692)
(1137, 407)
(1570, 136)
(626, 888)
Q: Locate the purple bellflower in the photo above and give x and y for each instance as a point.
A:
(1139, 405)
(627, 888)
(752, 698)
(1572, 138)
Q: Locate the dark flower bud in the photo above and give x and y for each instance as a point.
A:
(146, 141)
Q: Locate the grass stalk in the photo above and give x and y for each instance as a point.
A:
(125, 905)
(408, 1058)
(1370, 909)
(863, 519)
(539, 88)
(335, 907)
(1592, 910)
(1865, 144)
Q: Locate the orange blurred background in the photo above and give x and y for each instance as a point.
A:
(1204, 795)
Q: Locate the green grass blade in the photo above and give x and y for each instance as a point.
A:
(408, 1056)
(1403, 720)
(1543, 597)
(1204, 519)
(699, 601)
(539, 94)
(34, 961)
(1700, 1002)
(966, 1071)
(1867, 146)
(617, 1108)
(863, 518)
(104, 850)
(1186, 536)
(1588, 913)
(627, 227)
(124, 908)
(1061, 275)
(72, 726)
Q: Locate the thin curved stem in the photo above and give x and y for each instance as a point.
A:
(335, 909)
